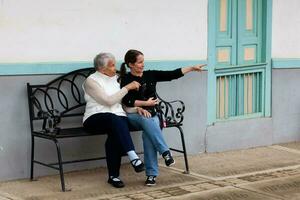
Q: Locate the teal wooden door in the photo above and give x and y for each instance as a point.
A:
(238, 61)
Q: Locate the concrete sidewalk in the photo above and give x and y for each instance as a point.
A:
(259, 173)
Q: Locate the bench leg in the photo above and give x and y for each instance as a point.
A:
(32, 157)
(61, 171)
(187, 171)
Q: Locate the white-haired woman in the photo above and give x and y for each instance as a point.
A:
(104, 114)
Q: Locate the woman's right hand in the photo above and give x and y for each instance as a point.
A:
(152, 102)
(134, 85)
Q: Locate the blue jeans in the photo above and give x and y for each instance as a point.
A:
(153, 140)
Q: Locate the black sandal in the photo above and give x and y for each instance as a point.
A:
(117, 183)
(137, 168)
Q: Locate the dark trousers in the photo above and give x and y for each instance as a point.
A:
(118, 140)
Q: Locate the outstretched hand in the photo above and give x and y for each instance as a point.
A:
(196, 68)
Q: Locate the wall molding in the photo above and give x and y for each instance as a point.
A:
(11, 69)
(37, 68)
(285, 63)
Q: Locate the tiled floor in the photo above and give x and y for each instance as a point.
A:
(259, 173)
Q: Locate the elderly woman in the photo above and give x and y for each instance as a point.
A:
(104, 113)
(153, 140)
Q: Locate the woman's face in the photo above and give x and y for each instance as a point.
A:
(138, 66)
(110, 69)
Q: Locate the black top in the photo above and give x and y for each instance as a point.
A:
(148, 84)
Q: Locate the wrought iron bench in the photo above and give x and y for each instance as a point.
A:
(50, 104)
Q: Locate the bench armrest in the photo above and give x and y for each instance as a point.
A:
(50, 121)
(172, 111)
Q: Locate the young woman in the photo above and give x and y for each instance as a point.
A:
(145, 97)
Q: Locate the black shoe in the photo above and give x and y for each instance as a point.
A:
(168, 158)
(116, 182)
(150, 181)
(137, 168)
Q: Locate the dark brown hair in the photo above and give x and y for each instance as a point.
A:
(130, 57)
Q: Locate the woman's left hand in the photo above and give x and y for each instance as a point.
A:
(143, 112)
(197, 68)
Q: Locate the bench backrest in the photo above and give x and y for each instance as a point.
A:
(62, 96)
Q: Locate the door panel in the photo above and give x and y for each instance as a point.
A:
(249, 31)
(225, 34)
(238, 44)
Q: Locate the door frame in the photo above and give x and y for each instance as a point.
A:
(212, 75)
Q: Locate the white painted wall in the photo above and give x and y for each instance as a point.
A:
(286, 28)
(75, 30)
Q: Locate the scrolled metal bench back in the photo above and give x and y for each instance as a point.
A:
(63, 96)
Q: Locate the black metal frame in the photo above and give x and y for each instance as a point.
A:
(70, 103)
